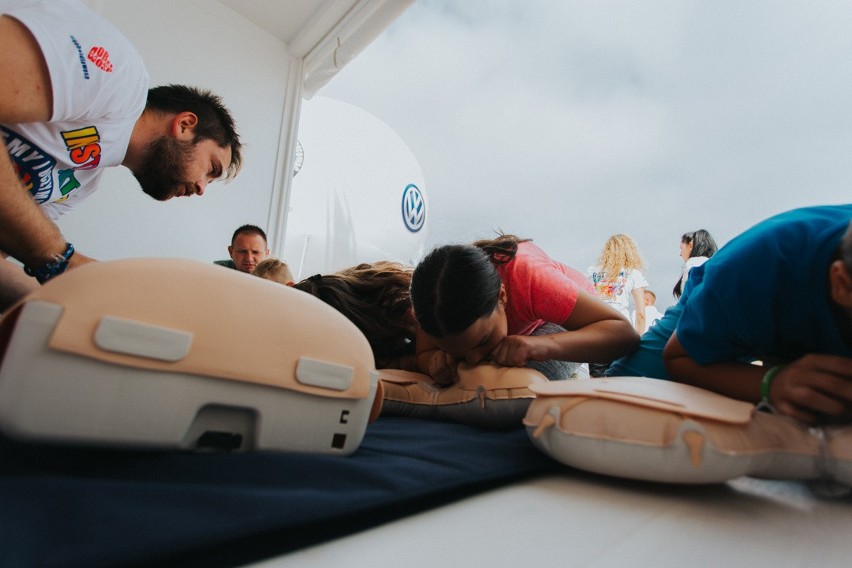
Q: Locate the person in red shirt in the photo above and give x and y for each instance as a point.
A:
(484, 301)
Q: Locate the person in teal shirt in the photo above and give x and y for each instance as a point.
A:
(779, 294)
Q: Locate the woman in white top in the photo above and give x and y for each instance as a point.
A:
(618, 277)
(695, 249)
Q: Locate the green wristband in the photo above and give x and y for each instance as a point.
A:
(767, 382)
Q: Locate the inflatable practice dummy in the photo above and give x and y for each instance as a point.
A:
(485, 395)
(163, 353)
(657, 430)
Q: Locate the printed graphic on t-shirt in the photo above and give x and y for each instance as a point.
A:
(83, 67)
(34, 167)
(97, 55)
(100, 57)
(83, 146)
(609, 290)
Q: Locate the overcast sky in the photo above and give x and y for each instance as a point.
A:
(568, 121)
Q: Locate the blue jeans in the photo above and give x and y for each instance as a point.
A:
(554, 369)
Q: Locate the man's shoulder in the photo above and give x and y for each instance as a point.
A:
(226, 263)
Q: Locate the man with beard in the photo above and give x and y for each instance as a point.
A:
(74, 100)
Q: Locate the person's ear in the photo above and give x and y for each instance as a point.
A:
(503, 297)
(840, 283)
(183, 125)
(230, 251)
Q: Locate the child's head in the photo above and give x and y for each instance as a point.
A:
(650, 297)
(459, 301)
(275, 270)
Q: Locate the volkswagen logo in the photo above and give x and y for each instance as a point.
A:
(413, 208)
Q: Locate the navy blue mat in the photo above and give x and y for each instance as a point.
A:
(76, 507)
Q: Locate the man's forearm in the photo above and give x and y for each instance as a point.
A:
(26, 233)
(730, 378)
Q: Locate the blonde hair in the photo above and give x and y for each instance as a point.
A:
(620, 253)
(275, 270)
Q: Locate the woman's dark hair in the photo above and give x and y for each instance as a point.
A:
(703, 244)
(502, 249)
(455, 285)
(375, 297)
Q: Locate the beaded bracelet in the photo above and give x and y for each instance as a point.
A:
(766, 383)
(53, 268)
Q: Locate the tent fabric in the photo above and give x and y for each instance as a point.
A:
(72, 506)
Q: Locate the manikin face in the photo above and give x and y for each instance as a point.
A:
(476, 343)
(685, 250)
(181, 168)
(247, 251)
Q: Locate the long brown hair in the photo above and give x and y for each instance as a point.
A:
(501, 249)
(376, 298)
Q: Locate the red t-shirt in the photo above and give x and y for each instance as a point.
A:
(539, 289)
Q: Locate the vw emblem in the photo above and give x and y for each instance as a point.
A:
(413, 208)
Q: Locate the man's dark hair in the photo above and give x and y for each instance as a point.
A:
(248, 230)
(214, 120)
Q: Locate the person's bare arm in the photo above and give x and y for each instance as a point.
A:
(730, 378)
(638, 295)
(596, 333)
(809, 389)
(26, 233)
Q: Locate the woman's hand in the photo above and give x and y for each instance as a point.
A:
(516, 350)
(443, 368)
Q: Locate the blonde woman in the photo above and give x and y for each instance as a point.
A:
(619, 278)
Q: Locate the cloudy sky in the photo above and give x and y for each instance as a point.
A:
(568, 121)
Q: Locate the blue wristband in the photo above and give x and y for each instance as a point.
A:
(53, 268)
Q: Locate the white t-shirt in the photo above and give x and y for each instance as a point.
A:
(690, 263)
(100, 87)
(616, 291)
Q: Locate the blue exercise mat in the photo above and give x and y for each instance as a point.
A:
(63, 506)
